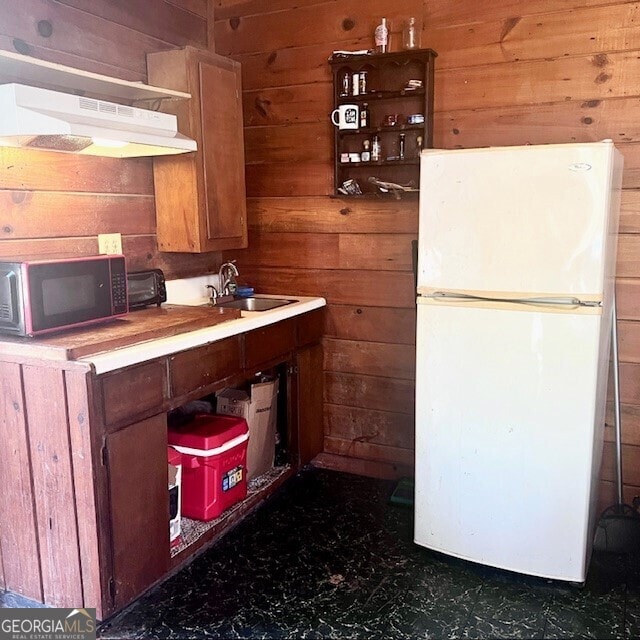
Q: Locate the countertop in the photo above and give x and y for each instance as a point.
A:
(250, 320)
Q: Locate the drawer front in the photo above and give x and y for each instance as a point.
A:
(310, 327)
(202, 366)
(269, 343)
(134, 392)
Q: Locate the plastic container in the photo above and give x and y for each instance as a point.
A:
(213, 451)
(175, 486)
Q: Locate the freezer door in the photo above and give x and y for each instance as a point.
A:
(517, 219)
(509, 426)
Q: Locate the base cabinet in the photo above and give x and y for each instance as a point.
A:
(87, 480)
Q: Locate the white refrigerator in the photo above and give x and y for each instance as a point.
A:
(516, 260)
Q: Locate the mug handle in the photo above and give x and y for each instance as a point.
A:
(333, 113)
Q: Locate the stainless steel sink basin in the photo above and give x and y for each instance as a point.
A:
(256, 304)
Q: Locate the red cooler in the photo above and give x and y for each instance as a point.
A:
(213, 450)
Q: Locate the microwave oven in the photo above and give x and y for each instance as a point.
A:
(41, 296)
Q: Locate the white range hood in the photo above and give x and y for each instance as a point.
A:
(36, 118)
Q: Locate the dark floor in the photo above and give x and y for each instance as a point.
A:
(329, 557)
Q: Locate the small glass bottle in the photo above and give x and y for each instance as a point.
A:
(366, 151)
(411, 35)
(401, 146)
(381, 37)
(363, 82)
(364, 115)
(346, 84)
(376, 149)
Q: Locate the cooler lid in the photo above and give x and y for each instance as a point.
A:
(173, 456)
(207, 431)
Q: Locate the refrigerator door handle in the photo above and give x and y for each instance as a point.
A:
(539, 301)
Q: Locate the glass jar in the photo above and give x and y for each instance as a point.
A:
(411, 34)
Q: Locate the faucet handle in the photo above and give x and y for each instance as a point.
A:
(213, 294)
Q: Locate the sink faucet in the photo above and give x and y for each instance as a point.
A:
(228, 274)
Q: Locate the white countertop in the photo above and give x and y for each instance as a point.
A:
(126, 356)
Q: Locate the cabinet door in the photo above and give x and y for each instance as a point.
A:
(223, 154)
(138, 486)
(310, 403)
(200, 197)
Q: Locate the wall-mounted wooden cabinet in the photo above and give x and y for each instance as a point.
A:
(388, 99)
(201, 197)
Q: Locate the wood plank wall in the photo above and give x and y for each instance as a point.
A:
(508, 73)
(55, 204)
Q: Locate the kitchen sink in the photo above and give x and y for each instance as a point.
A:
(256, 304)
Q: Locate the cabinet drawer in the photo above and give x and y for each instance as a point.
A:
(194, 369)
(309, 327)
(269, 343)
(134, 392)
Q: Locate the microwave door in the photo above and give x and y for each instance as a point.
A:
(11, 299)
(68, 293)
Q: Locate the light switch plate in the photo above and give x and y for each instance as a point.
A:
(110, 243)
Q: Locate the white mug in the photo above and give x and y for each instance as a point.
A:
(347, 116)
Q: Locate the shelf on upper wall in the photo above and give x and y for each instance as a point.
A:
(15, 67)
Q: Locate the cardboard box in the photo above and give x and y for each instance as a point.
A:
(259, 409)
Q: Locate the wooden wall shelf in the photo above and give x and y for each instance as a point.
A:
(398, 83)
(15, 67)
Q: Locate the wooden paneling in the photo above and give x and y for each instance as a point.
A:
(370, 358)
(368, 425)
(283, 179)
(53, 487)
(582, 29)
(371, 324)
(508, 73)
(369, 392)
(166, 22)
(339, 286)
(82, 460)
(24, 213)
(19, 539)
(69, 30)
(31, 170)
(333, 215)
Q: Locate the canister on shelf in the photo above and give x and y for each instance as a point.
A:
(355, 84)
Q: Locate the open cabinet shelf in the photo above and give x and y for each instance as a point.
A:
(15, 67)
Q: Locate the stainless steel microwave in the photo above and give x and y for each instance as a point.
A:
(41, 296)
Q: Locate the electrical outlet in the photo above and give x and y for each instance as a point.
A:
(110, 243)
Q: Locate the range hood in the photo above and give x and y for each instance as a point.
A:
(37, 118)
